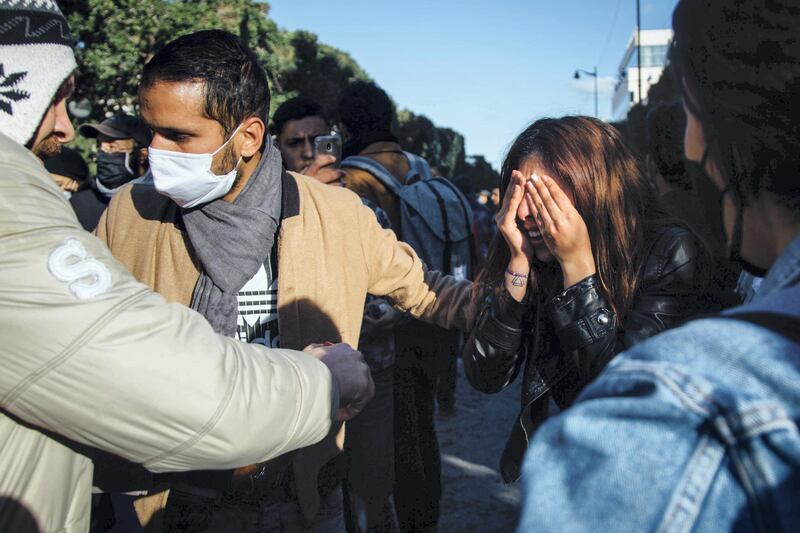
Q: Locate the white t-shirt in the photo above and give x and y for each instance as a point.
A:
(257, 319)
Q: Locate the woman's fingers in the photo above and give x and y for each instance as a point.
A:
(532, 209)
(547, 199)
(543, 217)
(509, 209)
(557, 194)
(512, 198)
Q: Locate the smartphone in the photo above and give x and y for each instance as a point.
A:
(330, 145)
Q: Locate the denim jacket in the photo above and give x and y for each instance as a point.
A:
(695, 429)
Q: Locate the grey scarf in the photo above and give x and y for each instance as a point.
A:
(233, 239)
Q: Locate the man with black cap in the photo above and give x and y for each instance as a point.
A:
(91, 358)
(122, 142)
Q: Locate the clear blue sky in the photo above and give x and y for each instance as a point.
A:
(485, 69)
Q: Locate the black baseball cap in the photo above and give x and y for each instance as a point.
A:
(119, 126)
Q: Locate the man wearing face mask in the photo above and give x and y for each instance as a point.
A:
(122, 142)
(265, 255)
(93, 360)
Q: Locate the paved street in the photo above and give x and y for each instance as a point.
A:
(475, 498)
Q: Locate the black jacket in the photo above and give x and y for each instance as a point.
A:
(565, 341)
(89, 205)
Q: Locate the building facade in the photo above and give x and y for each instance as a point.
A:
(654, 45)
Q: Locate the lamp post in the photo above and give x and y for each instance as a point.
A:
(592, 73)
(639, 48)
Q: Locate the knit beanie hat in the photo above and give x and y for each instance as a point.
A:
(35, 59)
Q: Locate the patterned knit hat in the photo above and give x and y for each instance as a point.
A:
(35, 59)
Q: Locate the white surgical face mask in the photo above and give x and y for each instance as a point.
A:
(187, 178)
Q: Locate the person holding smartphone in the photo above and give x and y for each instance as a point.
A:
(369, 441)
(93, 361)
(584, 266)
(297, 124)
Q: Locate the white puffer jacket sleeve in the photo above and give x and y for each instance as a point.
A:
(92, 355)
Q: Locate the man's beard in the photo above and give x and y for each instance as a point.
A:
(47, 148)
(226, 163)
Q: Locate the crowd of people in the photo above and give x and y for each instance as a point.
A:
(268, 313)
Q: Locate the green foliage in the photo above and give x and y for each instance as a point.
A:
(115, 38)
(443, 146)
(480, 173)
(316, 70)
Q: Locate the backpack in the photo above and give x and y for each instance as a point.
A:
(435, 218)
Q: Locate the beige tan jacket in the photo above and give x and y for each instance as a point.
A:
(331, 253)
(92, 358)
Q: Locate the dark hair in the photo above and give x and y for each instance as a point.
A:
(366, 109)
(235, 84)
(296, 108)
(739, 71)
(666, 124)
(610, 190)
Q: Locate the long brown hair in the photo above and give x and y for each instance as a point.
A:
(610, 190)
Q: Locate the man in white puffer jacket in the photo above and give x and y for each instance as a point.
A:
(91, 358)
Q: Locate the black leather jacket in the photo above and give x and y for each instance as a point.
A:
(565, 341)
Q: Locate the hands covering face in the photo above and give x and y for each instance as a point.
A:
(519, 245)
(563, 229)
(558, 226)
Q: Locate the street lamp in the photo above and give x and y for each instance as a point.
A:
(639, 48)
(593, 74)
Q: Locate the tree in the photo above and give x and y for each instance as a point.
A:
(115, 38)
(316, 70)
(480, 173)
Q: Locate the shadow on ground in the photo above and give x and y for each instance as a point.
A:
(474, 496)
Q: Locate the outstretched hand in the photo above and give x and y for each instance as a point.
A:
(351, 373)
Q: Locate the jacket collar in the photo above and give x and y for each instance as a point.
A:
(784, 272)
(290, 201)
(381, 147)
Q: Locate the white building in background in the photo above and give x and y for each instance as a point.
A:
(655, 44)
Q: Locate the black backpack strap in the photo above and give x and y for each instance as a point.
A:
(448, 241)
(785, 325)
(473, 245)
(473, 249)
